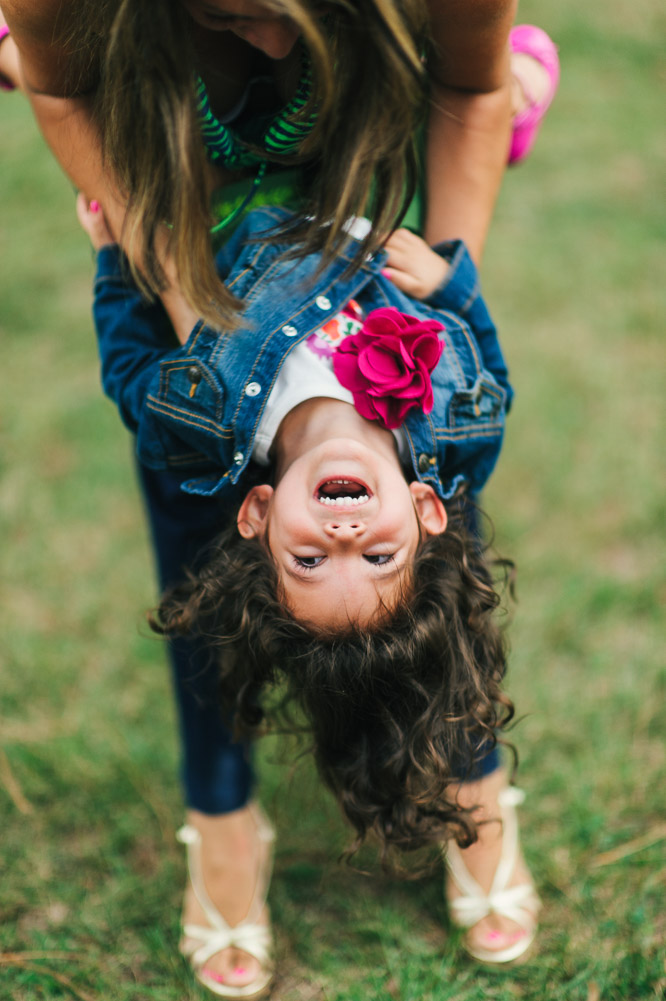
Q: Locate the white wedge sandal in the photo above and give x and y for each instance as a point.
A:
(248, 935)
(519, 903)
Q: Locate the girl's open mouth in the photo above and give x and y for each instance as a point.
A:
(343, 493)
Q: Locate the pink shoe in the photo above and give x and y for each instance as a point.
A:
(532, 41)
(5, 84)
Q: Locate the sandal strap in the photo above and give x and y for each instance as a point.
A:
(516, 903)
(251, 938)
(248, 935)
(519, 903)
(191, 838)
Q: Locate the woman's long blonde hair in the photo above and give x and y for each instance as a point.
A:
(359, 158)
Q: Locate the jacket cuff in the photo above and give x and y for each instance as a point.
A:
(111, 262)
(460, 288)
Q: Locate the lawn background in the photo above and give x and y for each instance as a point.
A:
(90, 878)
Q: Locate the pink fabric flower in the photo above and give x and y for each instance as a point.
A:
(387, 365)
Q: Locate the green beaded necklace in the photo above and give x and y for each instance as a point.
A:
(282, 137)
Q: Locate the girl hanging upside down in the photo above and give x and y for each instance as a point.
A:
(349, 427)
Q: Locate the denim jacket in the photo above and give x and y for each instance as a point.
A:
(196, 408)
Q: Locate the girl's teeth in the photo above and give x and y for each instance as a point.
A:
(344, 501)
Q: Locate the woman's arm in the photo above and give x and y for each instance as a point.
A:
(470, 117)
(67, 126)
(56, 84)
(468, 131)
(40, 29)
(45, 32)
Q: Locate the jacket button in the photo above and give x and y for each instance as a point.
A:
(289, 331)
(323, 302)
(252, 389)
(425, 462)
(194, 375)
(238, 458)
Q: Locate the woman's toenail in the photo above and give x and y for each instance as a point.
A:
(492, 936)
(239, 971)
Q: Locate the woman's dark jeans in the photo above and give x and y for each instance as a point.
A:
(216, 770)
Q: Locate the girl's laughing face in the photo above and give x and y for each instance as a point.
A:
(343, 526)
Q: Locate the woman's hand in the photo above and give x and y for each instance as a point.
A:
(412, 265)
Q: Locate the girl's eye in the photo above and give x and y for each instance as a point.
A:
(379, 559)
(308, 562)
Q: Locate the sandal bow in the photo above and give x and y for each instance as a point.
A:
(518, 903)
(217, 935)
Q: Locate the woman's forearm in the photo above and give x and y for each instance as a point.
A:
(68, 128)
(70, 132)
(468, 138)
(470, 117)
(44, 31)
(38, 28)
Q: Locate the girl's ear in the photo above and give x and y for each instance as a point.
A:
(429, 508)
(251, 520)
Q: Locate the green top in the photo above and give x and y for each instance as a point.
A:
(282, 188)
(281, 133)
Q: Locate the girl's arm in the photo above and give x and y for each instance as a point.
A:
(143, 368)
(470, 117)
(134, 336)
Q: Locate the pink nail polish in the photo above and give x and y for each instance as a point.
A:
(492, 936)
(387, 275)
(239, 971)
(94, 206)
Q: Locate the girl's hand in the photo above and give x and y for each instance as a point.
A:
(92, 220)
(412, 265)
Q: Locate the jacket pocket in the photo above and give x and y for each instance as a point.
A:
(182, 422)
(188, 391)
(484, 403)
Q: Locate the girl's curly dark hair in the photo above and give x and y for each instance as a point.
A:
(398, 713)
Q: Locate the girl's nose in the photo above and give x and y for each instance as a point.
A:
(344, 530)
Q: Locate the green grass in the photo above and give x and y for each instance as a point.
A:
(91, 877)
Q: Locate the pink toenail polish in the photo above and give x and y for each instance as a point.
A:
(240, 971)
(492, 936)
